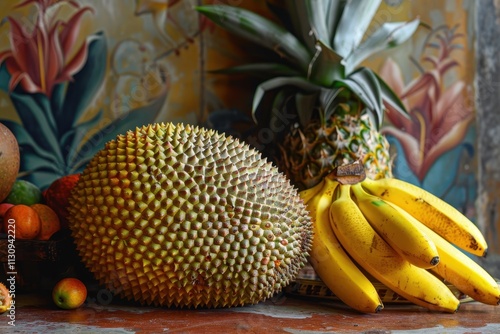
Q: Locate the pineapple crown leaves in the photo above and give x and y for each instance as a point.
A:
(322, 46)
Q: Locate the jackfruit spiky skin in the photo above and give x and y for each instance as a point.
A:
(174, 215)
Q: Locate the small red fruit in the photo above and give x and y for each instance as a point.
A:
(69, 293)
(4, 207)
(57, 194)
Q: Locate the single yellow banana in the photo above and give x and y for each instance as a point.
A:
(332, 264)
(308, 194)
(406, 239)
(379, 259)
(459, 269)
(432, 211)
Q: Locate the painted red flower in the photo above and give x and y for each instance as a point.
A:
(47, 55)
(439, 113)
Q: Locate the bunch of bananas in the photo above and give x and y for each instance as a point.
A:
(400, 235)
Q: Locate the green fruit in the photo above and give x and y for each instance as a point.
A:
(9, 161)
(24, 192)
(179, 215)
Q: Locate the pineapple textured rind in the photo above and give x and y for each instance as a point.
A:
(310, 153)
(176, 215)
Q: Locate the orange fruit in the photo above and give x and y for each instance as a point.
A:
(49, 221)
(57, 194)
(25, 220)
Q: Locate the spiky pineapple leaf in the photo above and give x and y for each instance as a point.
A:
(317, 14)
(291, 14)
(278, 111)
(389, 35)
(356, 18)
(389, 97)
(275, 83)
(333, 11)
(328, 99)
(305, 104)
(365, 85)
(257, 29)
(326, 66)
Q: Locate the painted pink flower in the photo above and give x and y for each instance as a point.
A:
(47, 55)
(439, 113)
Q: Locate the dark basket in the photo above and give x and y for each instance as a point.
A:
(39, 264)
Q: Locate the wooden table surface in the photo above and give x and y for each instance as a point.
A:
(282, 314)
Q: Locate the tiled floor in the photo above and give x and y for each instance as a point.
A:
(284, 314)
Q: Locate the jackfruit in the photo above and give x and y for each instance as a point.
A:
(177, 215)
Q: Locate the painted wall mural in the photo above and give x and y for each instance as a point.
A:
(74, 74)
(434, 76)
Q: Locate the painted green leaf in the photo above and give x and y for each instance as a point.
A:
(4, 78)
(135, 118)
(83, 89)
(57, 99)
(42, 177)
(26, 141)
(34, 112)
(73, 138)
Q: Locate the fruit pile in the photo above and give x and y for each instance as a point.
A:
(398, 234)
(37, 215)
(21, 208)
(178, 215)
(25, 214)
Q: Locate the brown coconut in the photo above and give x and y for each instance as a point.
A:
(9, 161)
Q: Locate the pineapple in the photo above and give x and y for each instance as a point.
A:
(333, 106)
